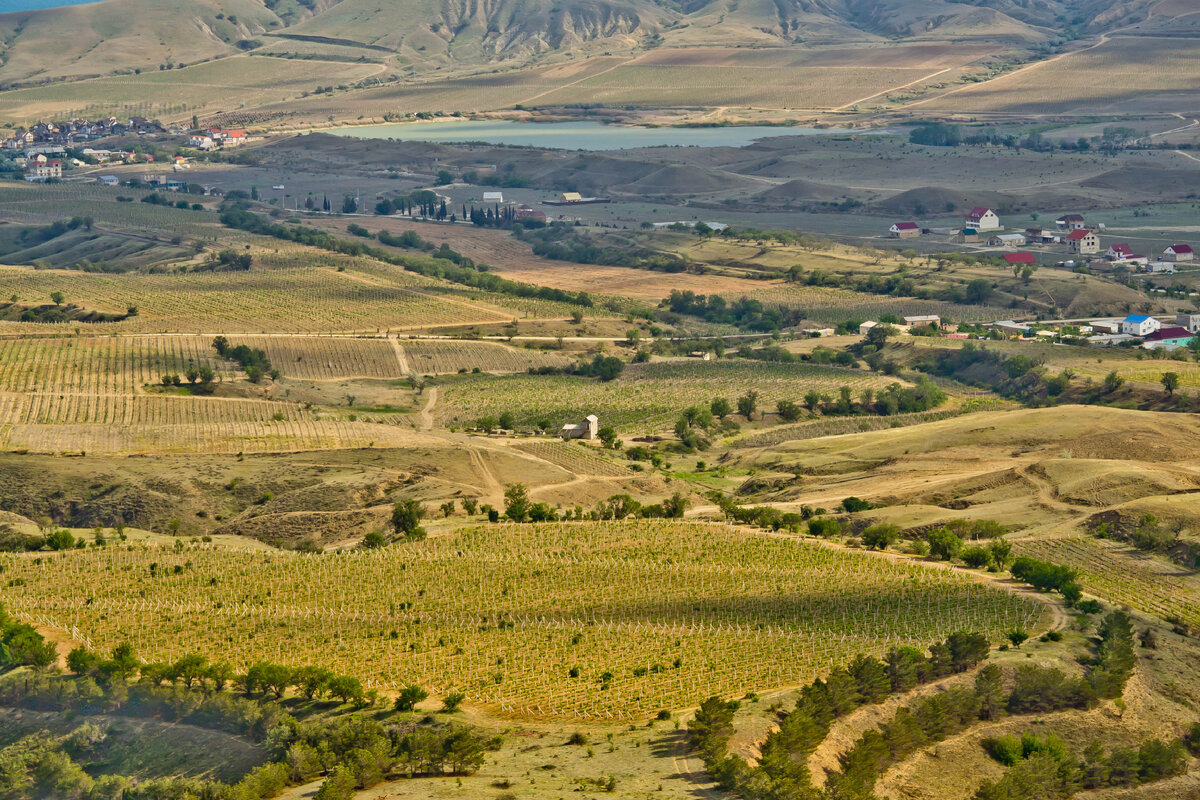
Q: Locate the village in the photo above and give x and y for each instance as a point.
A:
(1071, 236)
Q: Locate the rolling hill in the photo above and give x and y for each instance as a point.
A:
(425, 35)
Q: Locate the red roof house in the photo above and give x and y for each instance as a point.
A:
(1019, 258)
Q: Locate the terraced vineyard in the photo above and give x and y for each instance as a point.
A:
(573, 457)
(591, 620)
(328, 357)
(1123, 575)
(646, 396)
(429, 357)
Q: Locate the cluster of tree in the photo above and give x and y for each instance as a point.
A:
(201, 379)
(781, 772)
(518, 507)
(252, 360)
(355, 750)
(157, 199)
(605, 368)
(30, 237)
(1044, 767)
(21, 645)
(1035, 690)
(422, 203)
(1047, 577)
(497, 217)
(1016, 376)
(744, 312)
(565, 243)
(1147, 533)
(226, 261)
(895, 399)
(240, 218)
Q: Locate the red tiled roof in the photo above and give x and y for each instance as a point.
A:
(1081, 233)
(1019, 258)
(906, 226)
(1071, 218)
(1122, 248)
(1176, 332)
(978, 212)
(1181, 248)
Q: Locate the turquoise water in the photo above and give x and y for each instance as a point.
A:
(573, 135)
(28, 5)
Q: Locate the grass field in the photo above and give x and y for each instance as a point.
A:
(1119, 75)
(647, 396)
(652, 615)
(248, 302)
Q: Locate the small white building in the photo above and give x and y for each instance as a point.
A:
(904, 230)
(493, 197)
(865, 327)
(201, 142)
(589, 429)
(110, 180)
(1070, 222)
(1139, 325)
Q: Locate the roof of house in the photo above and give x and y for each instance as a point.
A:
(906, 226)
(1070, 218)
(1122, 248)
(1019, 258)
(1175, 332)
(1081, 233)
(1180, 248)
(1136, 318)
(978, 212)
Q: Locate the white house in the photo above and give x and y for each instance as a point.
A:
(1178, 252)
(1189, 321)
(865, 327)
(201, 142)
(110, 180)
(1139, 325)
(1070, 222)
(589, 429)
(493, 197)
(982, 219)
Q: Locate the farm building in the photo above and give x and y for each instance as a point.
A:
(1070, 222)
(933, 320)
(1083, 241)
(1178, 252)
(967, 236)
(1041, 236)
(1139, 325)
(525, 212)
(570, 197)
(1109, 339)
(1019, 258)
(865, 327)
(1168, 339)
(588, 429)
(1107, 325)
(1007, 240)
(493, 197)
(982, 219)
(1189, 321)
(905, 230)
(110, 180)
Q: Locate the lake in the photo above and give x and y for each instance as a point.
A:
(575, 135)
(29, 5)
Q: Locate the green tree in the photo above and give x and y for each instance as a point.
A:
(989, 688)
(1000, 551)
(516, 502)
(978, 291)
(720, 408)
(788, 410)
(1170, 382)
(747, 404)
(880, 535)
(58, 298)
(943, 544)
(340, 784)
(406, 518)
(409, 697)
